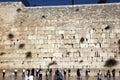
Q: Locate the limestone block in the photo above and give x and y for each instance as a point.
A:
(88, 36)
(7, 42)
(50, 28)
(71, 55)
(112, 35)
(14, 30)
(36, 51)
(50, 37)
(92, 40)
(105, 54)
(97, 45)
(103, 35)
(61, 32)
(57, 55)
(51, 41)
(105, 45)
(47, 60)
(118, 35)
(40, 41)
(76, 45)
(116, 30)
(84, 45)
(97, 35)
(66, 59)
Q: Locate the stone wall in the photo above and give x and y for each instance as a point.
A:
(60, 36)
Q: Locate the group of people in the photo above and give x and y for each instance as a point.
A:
(59, 75)
(28, 74)
(107, 74)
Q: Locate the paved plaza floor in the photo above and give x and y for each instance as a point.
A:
(10, 76)
(67, 78)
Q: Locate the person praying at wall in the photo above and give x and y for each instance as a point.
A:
(28, 72)
(15, 73)
(87, 72)
(4, 73)
(100, 75)
(78, 73)
(32, 71)
(37, 71)
(40, 74)
(26, 75)
(47, 74)
(30, 77)
(108, 74)
(23, 73)
(58, 75)
(65, 72)
(119, 73)
(50, 72)
(113, 72)
(69, 71)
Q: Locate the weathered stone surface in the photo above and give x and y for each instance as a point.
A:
(72, 36)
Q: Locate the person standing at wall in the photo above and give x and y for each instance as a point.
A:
(100, 75)
(26, 75)
(15, 73)
(23, 73)
(81, 71)
(4, 73)
(108, 74)
(69, 71)
(32, 71)
(47, 74)
(65, 72)
(40, 74)
(58, 75)
(78, 73)
(30, 77)
(28, 72)
(37, 71)
(113, 72)
(87, 72)
(119, 73)
(50, 72)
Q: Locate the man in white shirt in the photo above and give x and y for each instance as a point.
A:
(31, 77)
(15, 72)
(4, 73)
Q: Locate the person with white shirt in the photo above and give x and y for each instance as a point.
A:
(23, 73)
(100, 75)
(4, 73)
(31, 77)
(15, 72)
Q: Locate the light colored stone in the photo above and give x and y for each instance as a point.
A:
(73, 39)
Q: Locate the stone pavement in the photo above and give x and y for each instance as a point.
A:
(67, 78)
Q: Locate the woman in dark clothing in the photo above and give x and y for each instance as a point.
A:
(108, 74)
(78, 73)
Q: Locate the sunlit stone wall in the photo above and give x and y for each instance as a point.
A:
(59, 36)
